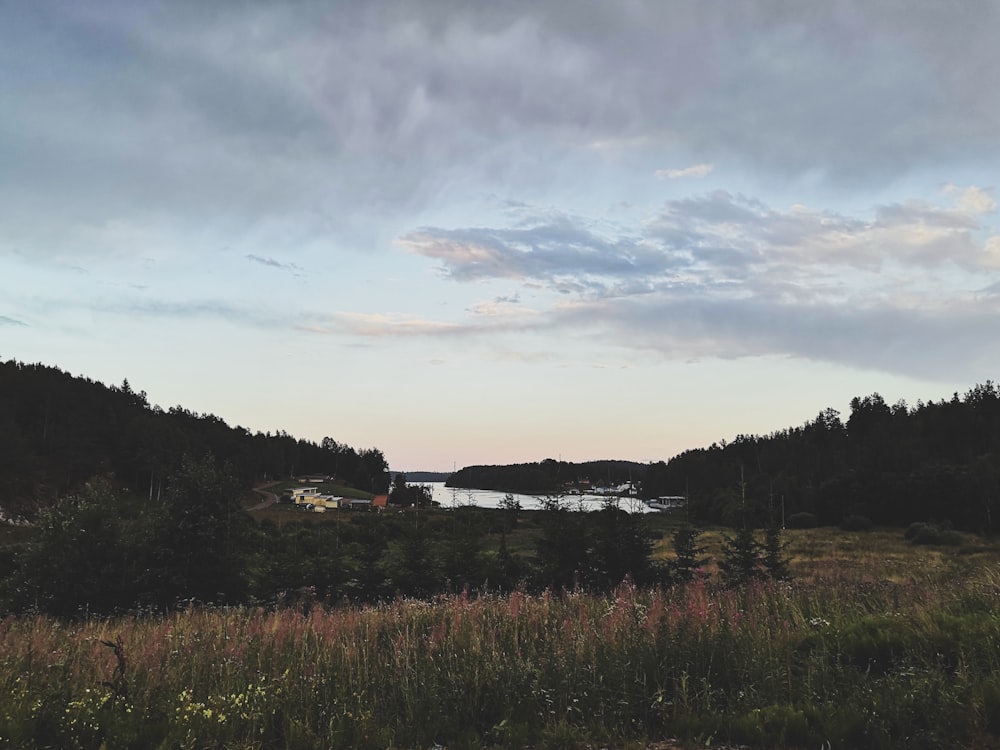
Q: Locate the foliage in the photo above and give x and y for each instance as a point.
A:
(548, 477)
(742, 560)
(199, 540)
(409, 495)
(775, 561)
(689, 560)
(562, 547)
(931, 534)
(893, 463)
(88, 555)
(841, 662)
(620, 547)
(57, 431)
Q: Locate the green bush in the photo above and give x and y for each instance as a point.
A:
(878, 643)
(931, 534)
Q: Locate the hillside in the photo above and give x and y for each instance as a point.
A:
(548, 476)
(890, 464)
(58, 430)
(887, 464)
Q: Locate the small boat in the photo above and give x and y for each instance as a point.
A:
(667, 502)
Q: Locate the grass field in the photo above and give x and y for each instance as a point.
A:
(874, 643)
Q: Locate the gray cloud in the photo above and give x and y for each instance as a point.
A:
(5, 321)
(183, 115)
(136, 130)
(717, 237)
(272, 263)
(563, 250)
(915, 342)
(728, 276)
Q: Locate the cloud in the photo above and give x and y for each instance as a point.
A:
(561, 250)
(272, 263)
(5, 321)
(909, 341)
(698, 170)
(728, 276)
(717, 237)
(319, 132)
(255, 117)
(381, 326)
(204, 309)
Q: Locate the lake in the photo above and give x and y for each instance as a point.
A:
(453, 497)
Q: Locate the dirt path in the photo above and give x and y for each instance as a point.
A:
(269, 497)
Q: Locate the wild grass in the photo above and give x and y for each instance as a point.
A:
(846, 657)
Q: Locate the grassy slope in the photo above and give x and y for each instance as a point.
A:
(876, 643)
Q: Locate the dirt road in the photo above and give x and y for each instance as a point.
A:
(269, 497)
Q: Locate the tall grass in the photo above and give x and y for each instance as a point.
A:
(845, 660)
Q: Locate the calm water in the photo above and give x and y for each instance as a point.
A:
(450, 497)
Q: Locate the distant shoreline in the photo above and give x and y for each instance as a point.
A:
(415, 477)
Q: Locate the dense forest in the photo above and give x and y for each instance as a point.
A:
(549, 476)
(887, 464)
(144, 507)
(57, 431)
(890, 464)
(103, 551)
(134, 507)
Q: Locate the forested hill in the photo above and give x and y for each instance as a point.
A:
(892, 464)
(887, 464)
(548, 476)
(57, 430)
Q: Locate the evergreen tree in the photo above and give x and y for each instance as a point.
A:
(620, 547)
(688, 561)
(775, 562)
(741, 558)
(202, 527)
(562, 546)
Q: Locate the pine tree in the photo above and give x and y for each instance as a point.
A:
(741, 558)
(688, 562)
(775, 562)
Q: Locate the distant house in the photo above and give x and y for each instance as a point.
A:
(302, 495)
(311, 499)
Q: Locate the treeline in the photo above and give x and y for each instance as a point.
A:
(101, 551)
(548, 476)
(57, 430)
(888, 464)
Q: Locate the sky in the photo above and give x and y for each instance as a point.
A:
(497, 232)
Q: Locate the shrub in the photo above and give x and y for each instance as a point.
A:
(802, 521)
(931, 534)
(913, 530)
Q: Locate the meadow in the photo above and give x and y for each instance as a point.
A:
(873, 643)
